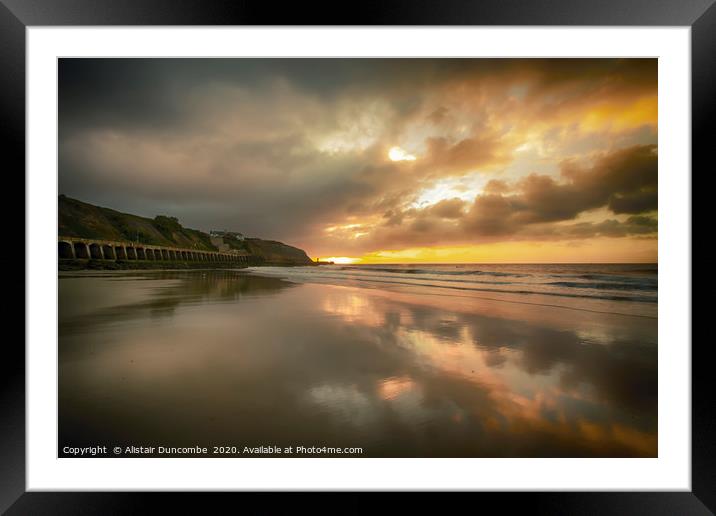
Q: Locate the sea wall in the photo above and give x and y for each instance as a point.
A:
(81, 250)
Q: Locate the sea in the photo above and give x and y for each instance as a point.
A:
(629, 288)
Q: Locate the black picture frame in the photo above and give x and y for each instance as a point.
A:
(16, 15)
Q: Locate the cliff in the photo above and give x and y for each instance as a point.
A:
(80, 219)
(277, 253)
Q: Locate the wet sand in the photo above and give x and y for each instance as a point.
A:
(225, 358)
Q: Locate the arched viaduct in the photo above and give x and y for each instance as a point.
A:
(75, 248)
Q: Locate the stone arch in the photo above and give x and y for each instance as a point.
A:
(65, 250)
(131, 253)
(108, 252)
(95, 252)
(141, 254)
(81, 250)
(157, 254)
(120, 252)
(165, 254)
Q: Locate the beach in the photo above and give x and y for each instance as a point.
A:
(384, 361)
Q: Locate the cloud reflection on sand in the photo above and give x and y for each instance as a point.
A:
(587, 385)
(257, 360)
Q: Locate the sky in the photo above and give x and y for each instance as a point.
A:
(376, 160)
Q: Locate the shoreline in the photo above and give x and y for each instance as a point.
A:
(596, 304)
(102, 265)
(572, 302)
(72, 265)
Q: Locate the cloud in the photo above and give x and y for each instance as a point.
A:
(289, 148)
(538, 207)
(448, 209)
(635, 225)
(463, 155)
(611, 180)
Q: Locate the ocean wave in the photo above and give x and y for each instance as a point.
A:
(437, 272)
(567, 294)
(604, 276)
(607, 285)
(565, 283)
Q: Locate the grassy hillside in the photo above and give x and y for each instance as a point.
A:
(80, 219)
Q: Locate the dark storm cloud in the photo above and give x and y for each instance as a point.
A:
(611, 180)
(153, 92)
(634, 225)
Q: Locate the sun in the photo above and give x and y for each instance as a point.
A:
(398, 154)
(340, 260)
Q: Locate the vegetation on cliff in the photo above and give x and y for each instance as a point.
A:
(81, 219)
(276, 253)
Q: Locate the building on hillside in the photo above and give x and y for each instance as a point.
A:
(226, 234)
(219, 243)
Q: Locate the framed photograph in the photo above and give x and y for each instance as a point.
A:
(430, 247)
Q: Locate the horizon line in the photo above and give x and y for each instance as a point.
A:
(494, 263)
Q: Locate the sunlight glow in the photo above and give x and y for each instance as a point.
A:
(398, 154)
(465, 188)
(601, 250)
(341, 260)
(331, 229)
